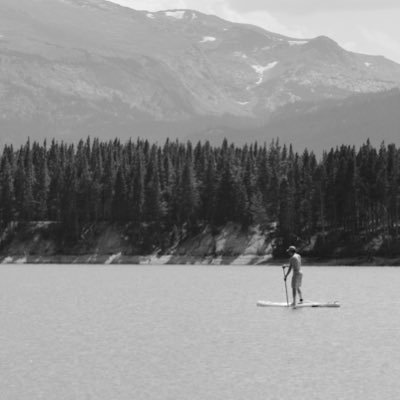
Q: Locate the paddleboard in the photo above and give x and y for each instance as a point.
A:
(263, 303)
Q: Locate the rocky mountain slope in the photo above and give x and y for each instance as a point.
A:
(72, 68)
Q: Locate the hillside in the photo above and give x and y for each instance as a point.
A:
(323, 125)
(73, 68)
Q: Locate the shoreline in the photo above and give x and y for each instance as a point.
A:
(41, 243)
(249, 260)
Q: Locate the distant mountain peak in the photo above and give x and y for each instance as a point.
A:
(325, 39)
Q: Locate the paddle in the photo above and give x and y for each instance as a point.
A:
(287, 298)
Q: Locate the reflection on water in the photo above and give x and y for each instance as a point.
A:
(187, 332)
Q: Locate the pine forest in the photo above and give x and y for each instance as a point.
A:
(346, 195)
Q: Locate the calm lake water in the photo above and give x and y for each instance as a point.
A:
(194, 332)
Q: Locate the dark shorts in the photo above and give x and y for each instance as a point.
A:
(296, 280)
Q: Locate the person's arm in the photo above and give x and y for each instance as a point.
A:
(289, 270)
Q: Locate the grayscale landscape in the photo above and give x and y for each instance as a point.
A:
(199, 199)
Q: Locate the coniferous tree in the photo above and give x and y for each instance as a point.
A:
(96, 166)
(28, 202)
(69, 210)
(154, 208)
(263, 176)
(108, 184)
(319, 199)
(7, 194)
(188, 195)
(168, 178)
(43, 184)
(56, 166)
(137, 194)
(230, 195)
(286, 213)
(393, 172)
(84, 188)
(208, 195)
(120, 200)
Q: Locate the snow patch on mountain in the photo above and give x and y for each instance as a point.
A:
(367, 64)
(262, 69)
(150, 15)
(297, 42)
(175, 14)
(208, 39)
(240, 54)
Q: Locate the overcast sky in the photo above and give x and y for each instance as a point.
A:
(364, 26)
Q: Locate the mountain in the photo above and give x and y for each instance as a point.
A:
(73, 68)
(324, 124)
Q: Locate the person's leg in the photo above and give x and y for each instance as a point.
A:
(299, 282)
(294, 293)
(300, 295)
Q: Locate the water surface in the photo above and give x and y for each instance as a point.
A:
(194, 332)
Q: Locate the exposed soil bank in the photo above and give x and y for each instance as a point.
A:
(41, 243)
(190, 260)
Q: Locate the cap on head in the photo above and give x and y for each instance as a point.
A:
(291, 249)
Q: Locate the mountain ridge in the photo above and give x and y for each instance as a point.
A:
(87, 66)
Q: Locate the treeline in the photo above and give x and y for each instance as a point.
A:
(165, 187)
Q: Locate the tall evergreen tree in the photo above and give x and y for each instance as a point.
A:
(120, 201)
(137, 193)
(286, 213)
(7, 194)
(188, 196)
(42, 186)
(154, 208)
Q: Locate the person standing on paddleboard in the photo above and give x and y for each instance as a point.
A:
(297, 277)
